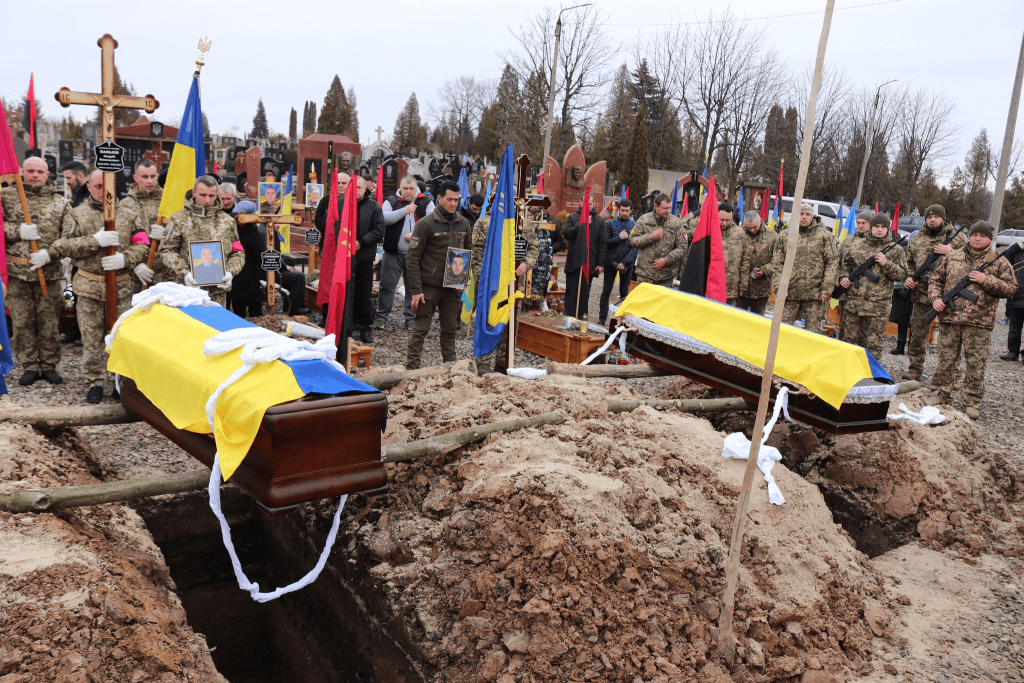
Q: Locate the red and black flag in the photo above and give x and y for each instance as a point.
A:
(29, 122)
(704, 272)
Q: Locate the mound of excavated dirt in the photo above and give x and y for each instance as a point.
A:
(595, 549)
(84, 594)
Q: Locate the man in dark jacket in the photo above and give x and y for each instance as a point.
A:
(1015, 310)
(401, 213)
(471, 211)
(76, 182)
(444, 228)
(618, 260)
(580, 252)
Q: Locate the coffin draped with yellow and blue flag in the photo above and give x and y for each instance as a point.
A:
(838, 386)
(287, 432)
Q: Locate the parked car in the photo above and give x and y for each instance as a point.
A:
(1008, 236)
(827, 211)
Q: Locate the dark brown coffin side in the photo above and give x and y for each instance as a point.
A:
(851, 418)
(305, 450)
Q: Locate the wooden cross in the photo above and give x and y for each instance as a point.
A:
(271, 224)
(108, 102)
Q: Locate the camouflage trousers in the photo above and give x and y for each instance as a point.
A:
(975, 342)
(34, 318)
(811, 310)
(498, 358)
(916, 349)
(448, 304)
(756, 305)
(865, 330)
(92, 320)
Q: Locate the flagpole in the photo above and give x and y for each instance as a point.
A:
(726, 638)
(27, 217)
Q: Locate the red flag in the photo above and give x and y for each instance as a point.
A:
(627, 193)
(540, 183)
(896, 218)
(704, 272)
(686, 203)
(327, 258)
(585, 220)
(378, 192)
(8, 164)
(778, 194)
(876, 207)
(32, 112)
(346, 248)
(764, 206)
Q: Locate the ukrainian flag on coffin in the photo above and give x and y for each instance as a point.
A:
(827, 367)
(162, 351)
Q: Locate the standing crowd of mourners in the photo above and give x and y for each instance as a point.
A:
(879, 279)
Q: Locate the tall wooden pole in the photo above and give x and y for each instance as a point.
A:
(1004, 159)
(726, 638)
(27, 218)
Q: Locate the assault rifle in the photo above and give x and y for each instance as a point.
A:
(931, 261)
(863, 270)
(960, 289)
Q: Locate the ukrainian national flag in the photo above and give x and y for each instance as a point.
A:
(188, 160)
(851, 222)
(285, 231)
(6, 361)
(161, 349)
(498, 269)
(774, 221)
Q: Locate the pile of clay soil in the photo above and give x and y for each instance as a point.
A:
(595, 549)
(84, 593)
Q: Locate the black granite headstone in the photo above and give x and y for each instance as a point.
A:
(65, 152)
(389, 180)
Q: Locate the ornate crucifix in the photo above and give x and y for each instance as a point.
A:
(108, 101)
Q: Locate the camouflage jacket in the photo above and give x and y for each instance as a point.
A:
(480, 241)
(198, 223)
(867, 297)
(79, 244)
(1000, 283)
(428, 248)
(139, 209)
(758, 254)
(672, 246)
(734, 244)
(816, 264)
(919, 248)
(51, 214)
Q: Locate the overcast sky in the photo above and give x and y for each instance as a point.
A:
(289, 53)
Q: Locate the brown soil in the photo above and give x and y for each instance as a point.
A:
(84, 594)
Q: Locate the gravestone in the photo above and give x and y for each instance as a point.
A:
(275, 154)
(51, 163)
(478, 166)
(249, 165)
(250, 143)
(390, 178)
(65, 152)
(87, 151)
(89, 131)
(434, 167)
(690, 189)
(271, 166)
(565, 184)
(647, 202)
(229, 141)
(435, 183)
(468, 168)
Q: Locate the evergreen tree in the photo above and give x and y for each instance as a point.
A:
(206, 126)
(260, 129)
(409, 131)
(122, 117)
(335, 118)
(976, 170)
(613, 129)
(1013, 203)
(309, 119)
(353, 128)
(293, 125)
(662, 121)
(488, 142)
(635, 167)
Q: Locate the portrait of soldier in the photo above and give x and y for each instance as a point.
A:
(575, 177)
(456, 275)
(313, 194)
(269, 202)
(206, 268)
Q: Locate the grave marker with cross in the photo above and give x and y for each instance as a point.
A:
(108, 102)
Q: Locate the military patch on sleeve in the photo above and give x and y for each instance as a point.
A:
(414, 241)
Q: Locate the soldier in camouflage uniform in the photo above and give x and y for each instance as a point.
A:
(927, 241)
(35, 342)
(661, 244)
(139, 210)
(500, 353)
(734, 244)
(200, 221)
(862, 224)
(84, 243)
(866, 311)
(814, 270)
(757, 254)
(968, 324)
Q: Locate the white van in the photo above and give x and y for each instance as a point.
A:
(827, 211)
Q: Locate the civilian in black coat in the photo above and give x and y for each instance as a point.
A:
(580, 252)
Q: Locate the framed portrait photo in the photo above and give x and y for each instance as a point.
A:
(314, 191)
(456, 268)
(270, 199)
(206, 259)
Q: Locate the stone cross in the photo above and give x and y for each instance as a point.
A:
(108, 101)
(378, 132)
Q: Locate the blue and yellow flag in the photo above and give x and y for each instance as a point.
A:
(773, 223)
(838, 225)
(285, 231)
(498, 269)
(851, 222)
(161, 349)
(464, 188)
(188, 161)
(6, 361)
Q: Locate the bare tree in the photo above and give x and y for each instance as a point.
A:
(463, 97)
(583, 57)
(927, 137)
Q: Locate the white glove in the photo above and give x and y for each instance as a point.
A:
(107, 238)
(144, 273)
(115, 262)
(190, 281)
(38, 259)
(28, 232)
(225, 284)
(157, 232)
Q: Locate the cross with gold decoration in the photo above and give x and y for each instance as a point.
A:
(108, 102)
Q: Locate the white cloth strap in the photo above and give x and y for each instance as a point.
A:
(607, 344)
(737, 446)
(929, 415)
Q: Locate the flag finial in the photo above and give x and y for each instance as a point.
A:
(204, 47)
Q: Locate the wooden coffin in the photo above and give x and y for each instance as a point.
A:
(546, 336)
(305, 450)
(705, 368)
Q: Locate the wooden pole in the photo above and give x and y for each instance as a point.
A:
(634, 370)
(154, 244)
(511, 350)
(27, 218)
(686, 405)
(579, 288)
(46, 418)
(1004, 159)
(726, 638)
